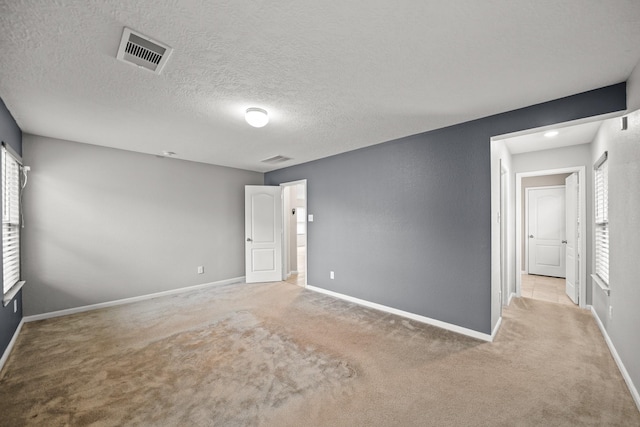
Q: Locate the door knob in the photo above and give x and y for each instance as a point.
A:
(249, 239)
(531, 236)
(564, 241)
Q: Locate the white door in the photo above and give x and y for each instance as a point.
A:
(546, 231)
(263, 233)
(571, 245)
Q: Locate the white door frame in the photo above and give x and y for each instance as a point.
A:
(504, 236)
(582, 208)
(285, 243)
(526, 220)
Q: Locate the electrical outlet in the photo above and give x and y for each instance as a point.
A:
(610, 312)
(200, 269)
(332, 275)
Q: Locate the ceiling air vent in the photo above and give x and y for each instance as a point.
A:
(276, 159)
(143, 52)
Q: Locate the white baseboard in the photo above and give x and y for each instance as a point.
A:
(84, 308)
(496, 328)
(513, 294)
(616, 357)
(7, 351)
(412, 316)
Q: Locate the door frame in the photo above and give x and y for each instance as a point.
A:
(582, 209)
(504, 236)
(526, 220)
(285, 242)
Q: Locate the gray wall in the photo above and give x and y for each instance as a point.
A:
(10, 134)
(624, 240)
(406, 223)
(105, 224)
(529, 182)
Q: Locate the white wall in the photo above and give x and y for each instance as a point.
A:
(105, 224)
(624, 240)
(559, 158)
(633, 89)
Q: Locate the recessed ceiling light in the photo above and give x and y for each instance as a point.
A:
(551, 134)
(256, 117)
(168, 153)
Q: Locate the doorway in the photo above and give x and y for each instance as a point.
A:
(526, 283)
(294, 200)
(545, 230)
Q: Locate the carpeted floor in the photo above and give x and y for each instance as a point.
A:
(278, 355)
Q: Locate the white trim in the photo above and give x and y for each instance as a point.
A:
(285, 249)
(616, 357)
(598, 281)
(12, 292)
(582, 206)
(412, 316)
(513, 294)
(496, 328)
(7, 351)
(123, 301)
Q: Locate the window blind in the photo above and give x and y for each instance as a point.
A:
(10, 220)
(602, 219)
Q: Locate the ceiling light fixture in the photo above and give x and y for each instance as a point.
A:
(256, 117)
(551, 134)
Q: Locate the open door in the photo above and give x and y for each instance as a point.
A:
(546, 227)
(571, 241)
(263, 233)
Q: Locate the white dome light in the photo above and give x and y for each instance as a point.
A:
(256, 117)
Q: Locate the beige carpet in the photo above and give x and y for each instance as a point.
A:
(278, 355)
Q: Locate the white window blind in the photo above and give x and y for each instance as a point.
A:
(10, 220)
(602, 219)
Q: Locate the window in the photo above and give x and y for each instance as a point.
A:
(602, 220)
(10, 220)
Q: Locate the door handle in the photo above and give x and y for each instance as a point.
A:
(564, 241)
(249, 239)
(531, 236)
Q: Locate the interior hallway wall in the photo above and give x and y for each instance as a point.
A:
(624, 241)
(104, 224)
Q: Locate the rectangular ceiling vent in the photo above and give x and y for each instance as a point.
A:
(276, 159)
(142, 51)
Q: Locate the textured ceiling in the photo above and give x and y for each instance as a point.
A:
(334, 76)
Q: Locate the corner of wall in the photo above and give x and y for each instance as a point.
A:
(633, 89)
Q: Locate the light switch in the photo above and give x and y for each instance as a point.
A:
(310, 217)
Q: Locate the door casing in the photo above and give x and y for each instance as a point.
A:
(285, 243)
